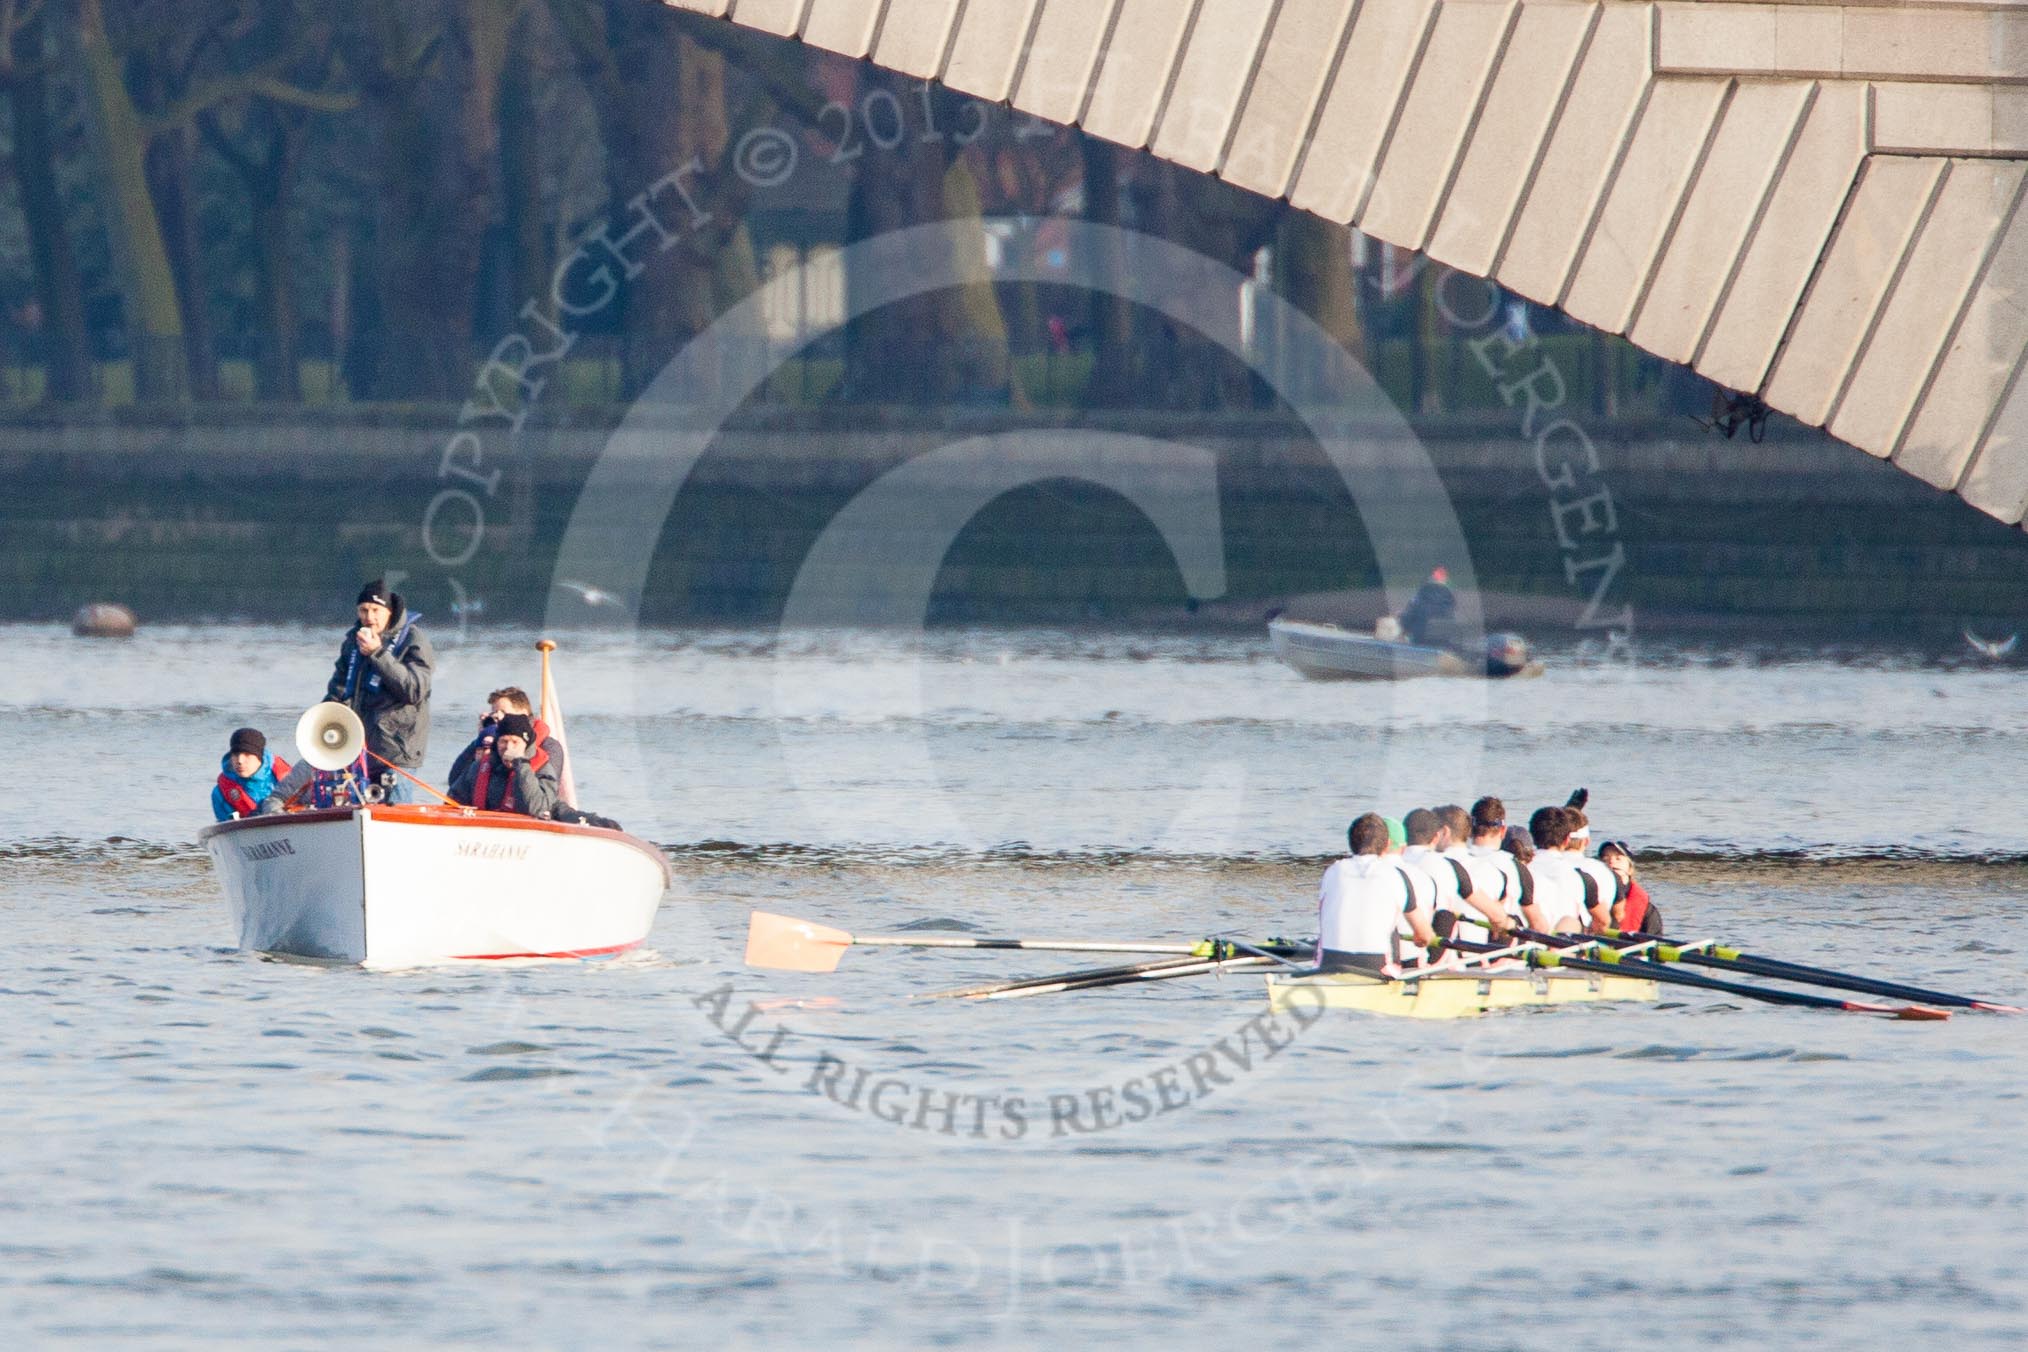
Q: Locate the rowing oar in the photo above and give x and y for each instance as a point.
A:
(1608, 962)
(1732, 960)
(1126, 976)
(792, 945)
(1100, 974)
(1281, 951)
(1214, 956)
(1274, 954)
(1483, 955)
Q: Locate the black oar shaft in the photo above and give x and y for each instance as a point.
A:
(1208, 955)
(1657, 972)
(1728, 959)
(1203, 967)
(1179, 947)
(1088, 974)
(1789, 971)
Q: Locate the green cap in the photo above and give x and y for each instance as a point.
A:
(1395, 834)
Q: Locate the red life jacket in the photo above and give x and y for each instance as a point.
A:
(1634, 910)
(235, 794)
(537, 758)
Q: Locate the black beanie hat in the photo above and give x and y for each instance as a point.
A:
(516, 725)
(375, 591)
(250, 741)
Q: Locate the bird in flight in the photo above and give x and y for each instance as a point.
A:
(590, 595)
(1990, 649)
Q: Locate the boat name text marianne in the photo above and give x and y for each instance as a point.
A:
(475, 849)
(267, 849)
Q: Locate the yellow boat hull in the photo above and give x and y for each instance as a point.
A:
(1452, 995)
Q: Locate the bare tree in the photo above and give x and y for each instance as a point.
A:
(288, 55)
(428, 74)
(59, 290)
(942, 345)
(662, 90)
(154, 312)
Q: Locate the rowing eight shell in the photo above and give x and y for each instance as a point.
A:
(1452, 995)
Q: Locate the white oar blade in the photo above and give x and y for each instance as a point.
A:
(787, 944)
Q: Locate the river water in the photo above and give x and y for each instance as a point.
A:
(198, 1146)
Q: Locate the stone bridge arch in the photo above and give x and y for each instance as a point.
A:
(1816, 202)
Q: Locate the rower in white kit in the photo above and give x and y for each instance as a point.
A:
(1370, 909)
(1488, 882)
(1601, 886)
(1457, 891)
(1487, 851)
(1560, 888)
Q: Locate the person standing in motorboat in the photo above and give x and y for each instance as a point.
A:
(383, 675)
(516, 775)
(1430, 619)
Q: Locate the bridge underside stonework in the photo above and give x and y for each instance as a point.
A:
(1817, 203)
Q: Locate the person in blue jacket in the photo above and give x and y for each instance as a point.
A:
(247, 775)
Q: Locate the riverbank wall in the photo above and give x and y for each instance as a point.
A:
(281, 517)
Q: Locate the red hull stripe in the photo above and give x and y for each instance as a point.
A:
(567, 953)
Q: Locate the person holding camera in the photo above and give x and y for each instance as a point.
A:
(508, 699)
(515, 774)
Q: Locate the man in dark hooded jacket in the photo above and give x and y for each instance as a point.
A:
(383, 673)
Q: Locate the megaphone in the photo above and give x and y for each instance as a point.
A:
(330, 736)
